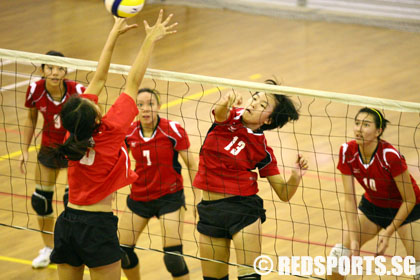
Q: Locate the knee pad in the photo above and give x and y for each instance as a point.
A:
(339, 251)
(66, 197)
(175, 264)
(42, 202)
(211, 278)
(129, 259)
(247, 273)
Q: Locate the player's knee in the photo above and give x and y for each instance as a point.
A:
(175, 264)
(66, 197)
(211, 278)
(247, 273)
(42, 202)
(129, 258)
(339, 251)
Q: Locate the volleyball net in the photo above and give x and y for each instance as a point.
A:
(309, 225)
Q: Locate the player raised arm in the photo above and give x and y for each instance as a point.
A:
(223, 106)
(153, 34)
(101, 74)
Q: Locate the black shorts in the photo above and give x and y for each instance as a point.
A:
(224, 217)
(47, 159)
(166, 204)
(82, 237)
(383, 216)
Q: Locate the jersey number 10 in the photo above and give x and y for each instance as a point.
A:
(370, 183)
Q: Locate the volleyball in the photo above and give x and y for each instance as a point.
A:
(124, 8)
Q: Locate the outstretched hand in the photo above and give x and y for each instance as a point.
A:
(160, 29)
(234, 99)
(121, 25)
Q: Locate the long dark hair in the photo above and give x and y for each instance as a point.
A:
(80, 119)
(378, 117)
(284, 112)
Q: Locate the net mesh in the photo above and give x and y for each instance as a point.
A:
(307, 226)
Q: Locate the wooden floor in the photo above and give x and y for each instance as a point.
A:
(316, 55)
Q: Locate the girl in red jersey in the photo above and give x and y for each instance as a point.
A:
(155, 143)
(46, 96)
(392, 198)
(86, 232)
(231, 209)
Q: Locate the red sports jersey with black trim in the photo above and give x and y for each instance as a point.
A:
(229, 154)
(376, 177)
(106, 167)
(38, 97)
(157, 165)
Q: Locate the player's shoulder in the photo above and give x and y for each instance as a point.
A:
(388, 152)
(37, 86)
(74, 87)
(349, 150)
(133, 129)
(349, 147)
(171, 128)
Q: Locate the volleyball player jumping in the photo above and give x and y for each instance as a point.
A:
(235, 145)
(86, 232)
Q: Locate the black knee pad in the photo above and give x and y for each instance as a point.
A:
(66, 197)
(175, 264)
(211, 278)
(255, 276)
(129, 259)
(42, 202)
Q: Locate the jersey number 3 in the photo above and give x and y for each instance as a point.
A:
(57, 121)
(237, 149)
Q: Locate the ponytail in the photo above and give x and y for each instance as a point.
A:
(79, 118)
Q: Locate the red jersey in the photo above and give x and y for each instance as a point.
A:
(38, 97)
(377, 176)
(106, 167)
(229, 154)
(157, 159)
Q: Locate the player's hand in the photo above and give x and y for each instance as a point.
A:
(121, 25)
(301, 165)
(383, 243)
(354, 248)
(160, 29)
(23, 161)
(233, 98)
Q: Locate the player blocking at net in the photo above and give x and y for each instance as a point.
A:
(86, 232)
(235, 145)
(46, 96)
(391, 200)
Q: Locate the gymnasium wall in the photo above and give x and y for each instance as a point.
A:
(396, 14)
